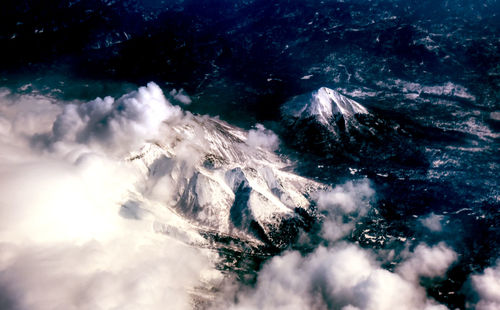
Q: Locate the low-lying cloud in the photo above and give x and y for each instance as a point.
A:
(428, 262)
(432, 222)
(487, 286)
(342, 206)
(63, 242)
(342, 275)
(262, 137)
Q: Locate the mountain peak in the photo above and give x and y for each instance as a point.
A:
(322, 104)
(209, 171)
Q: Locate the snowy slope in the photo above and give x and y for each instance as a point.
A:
(323, 105)
(209, 171)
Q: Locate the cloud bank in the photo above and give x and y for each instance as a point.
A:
(64, 242)
(342, 275)
(487, 286)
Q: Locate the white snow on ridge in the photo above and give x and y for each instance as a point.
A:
(340, 103)
(220, 177)
(323, 105)
(203, 167)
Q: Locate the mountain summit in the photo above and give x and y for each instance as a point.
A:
(323, 105)
(326, 123)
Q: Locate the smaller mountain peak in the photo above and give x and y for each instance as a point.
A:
(322, 104)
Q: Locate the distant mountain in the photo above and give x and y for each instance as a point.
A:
(327, 123)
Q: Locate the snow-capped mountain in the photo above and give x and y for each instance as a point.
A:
(323, 105)
(221, 179)
(333, 115)
(327, 123)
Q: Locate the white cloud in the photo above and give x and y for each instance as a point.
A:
(64, 243)
(133, 272)
(427, 261)
(487, 286)
(180, 96)
(341, 277)
(26, 115)
(116, 125)
(432, 222)
(348, 201)
(262, 137)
